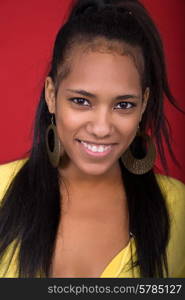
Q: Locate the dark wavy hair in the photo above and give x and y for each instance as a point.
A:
(30, 210)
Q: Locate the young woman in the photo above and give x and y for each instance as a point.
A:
(87, 202)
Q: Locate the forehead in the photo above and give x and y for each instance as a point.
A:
(81, 54)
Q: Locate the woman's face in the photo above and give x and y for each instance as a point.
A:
(97, 109)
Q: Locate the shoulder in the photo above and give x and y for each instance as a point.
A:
(8, 172)
(174, 193)
(168, 183)
(172, 189)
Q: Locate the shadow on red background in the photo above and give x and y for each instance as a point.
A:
(27, 34)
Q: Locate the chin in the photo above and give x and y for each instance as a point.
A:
(96, 170)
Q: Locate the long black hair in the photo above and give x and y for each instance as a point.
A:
(30, 210)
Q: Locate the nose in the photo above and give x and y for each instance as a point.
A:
(100, 125)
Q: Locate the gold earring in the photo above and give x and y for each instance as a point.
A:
(140, 166)
(53, 144)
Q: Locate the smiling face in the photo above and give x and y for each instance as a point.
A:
(97, 109)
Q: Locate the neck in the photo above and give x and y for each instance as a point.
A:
(74, 177)
(92, 193)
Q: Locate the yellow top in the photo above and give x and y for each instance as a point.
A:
(174, 192)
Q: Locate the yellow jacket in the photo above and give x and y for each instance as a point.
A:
(174, 192)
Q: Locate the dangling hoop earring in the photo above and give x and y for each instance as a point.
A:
(53, 144)
(143, 165)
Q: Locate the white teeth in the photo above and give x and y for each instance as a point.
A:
(94, 148)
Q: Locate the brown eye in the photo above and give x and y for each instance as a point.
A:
(80, 101)
(125, 105)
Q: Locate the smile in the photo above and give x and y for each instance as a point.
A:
(93, 148)
(96, 150)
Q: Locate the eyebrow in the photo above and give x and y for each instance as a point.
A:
(88, 94)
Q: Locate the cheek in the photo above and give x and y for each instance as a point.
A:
(67, 122)
(128, 129)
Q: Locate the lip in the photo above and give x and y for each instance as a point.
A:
(94, 143)
(95, 154)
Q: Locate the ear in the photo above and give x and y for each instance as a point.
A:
(145, 101)
(50, 94)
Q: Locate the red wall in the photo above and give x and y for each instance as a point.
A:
(27, 34)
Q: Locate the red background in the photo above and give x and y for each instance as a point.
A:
(27, 33)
